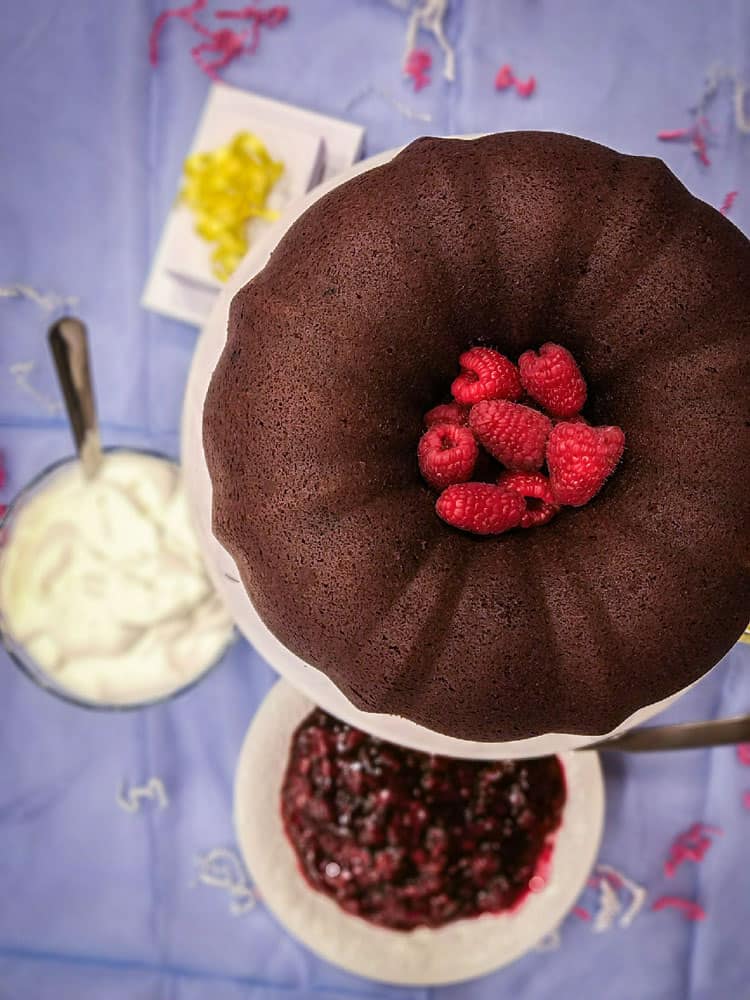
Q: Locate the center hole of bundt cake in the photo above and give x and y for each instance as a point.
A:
(513, 445)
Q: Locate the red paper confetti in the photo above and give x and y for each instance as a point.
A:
(700, 148)
(696, 134)
(729, 200)
(186, 14)
(701, 129)
(691, 910)
(692, 845)
(224, 44)
(581, 912)
(743, 754)
(525, 88)
(417, 64)
(675, 133)
(505, 77)
(271, 17)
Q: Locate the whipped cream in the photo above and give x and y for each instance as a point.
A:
(103, 585)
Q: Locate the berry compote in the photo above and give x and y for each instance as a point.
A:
(407, 839)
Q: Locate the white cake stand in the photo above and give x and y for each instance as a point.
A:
(423, 957)
(310, 681)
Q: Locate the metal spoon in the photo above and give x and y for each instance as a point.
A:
(68, 343)
(686, 736)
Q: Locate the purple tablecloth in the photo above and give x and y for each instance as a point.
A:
(98, 902)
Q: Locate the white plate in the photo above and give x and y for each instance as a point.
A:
(223, 570)
(424, 957)
(228, 109)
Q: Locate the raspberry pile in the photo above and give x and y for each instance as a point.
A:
(407, 839)
(528, 418)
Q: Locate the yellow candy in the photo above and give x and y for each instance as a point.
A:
(226, 188)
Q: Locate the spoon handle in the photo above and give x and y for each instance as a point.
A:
(685, 736)
(68, 343)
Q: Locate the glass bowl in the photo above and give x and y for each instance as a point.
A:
(21, 656)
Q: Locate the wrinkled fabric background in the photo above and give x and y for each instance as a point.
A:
(95, 902)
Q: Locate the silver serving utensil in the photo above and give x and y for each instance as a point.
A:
(685, 736)
(68, 343)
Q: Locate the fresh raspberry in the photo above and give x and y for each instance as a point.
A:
(580, 459)
(535, 488)
(485, 374)
(447, 413)
(554, 380)
(514, 434)
(447, 454)
(481, 508)
(577, 419)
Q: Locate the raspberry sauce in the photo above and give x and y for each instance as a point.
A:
(406, 839)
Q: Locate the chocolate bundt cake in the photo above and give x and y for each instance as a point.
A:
(351, 333)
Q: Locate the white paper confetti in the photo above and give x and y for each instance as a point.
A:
(130, 799)
(637, 893)
(49, 301)
(608, 909)
(222, 868)
(717, 75)
(742, 106)
(22, 372)
(429, 16)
